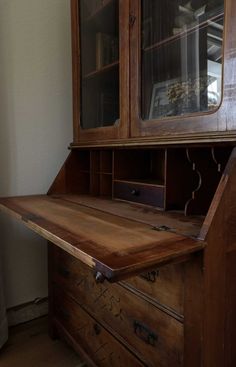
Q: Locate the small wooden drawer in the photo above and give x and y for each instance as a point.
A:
(140, 193)
(153, 334)
(163, 285)
(97, 343)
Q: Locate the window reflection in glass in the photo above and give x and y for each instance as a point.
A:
(182, 49)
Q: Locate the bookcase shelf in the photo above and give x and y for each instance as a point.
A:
(104, 69)
(148, 182)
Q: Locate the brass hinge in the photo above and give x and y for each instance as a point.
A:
(162, 228)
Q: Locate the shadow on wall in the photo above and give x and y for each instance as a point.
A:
(34, 108)
(35, 93)
(5, 158)
(7, 137)
(35, 127)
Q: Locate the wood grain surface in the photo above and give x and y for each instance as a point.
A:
(154, 336)
(29, 345)
(115, 246)
(98, 344)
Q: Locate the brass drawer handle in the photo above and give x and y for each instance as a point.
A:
(150, 276)
(145, 334)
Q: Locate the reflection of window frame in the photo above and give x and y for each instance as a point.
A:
(214, 32)
(215, 37)
(194, 66)
(214, 69)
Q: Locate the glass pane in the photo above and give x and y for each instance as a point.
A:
(99, 42)
(181, 56)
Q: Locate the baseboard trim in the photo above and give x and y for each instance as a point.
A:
(27, 311)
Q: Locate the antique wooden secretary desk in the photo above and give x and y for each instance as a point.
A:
(141, 218)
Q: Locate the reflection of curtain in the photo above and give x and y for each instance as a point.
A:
(3, 318)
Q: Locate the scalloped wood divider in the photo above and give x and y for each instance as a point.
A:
(208, 164)
(179, 179)
(189, 177)
(195, 190)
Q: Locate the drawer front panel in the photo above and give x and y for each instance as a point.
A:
(143, 194)
(156, 337)
(164, 285)
(99, 344)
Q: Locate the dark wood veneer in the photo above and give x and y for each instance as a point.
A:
(148, 277)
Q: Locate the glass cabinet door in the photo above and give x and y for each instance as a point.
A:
(102, 56)
(179, 74)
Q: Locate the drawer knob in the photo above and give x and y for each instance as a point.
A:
(145, 334)
(97, 329)
(99, 277)
(135, 192)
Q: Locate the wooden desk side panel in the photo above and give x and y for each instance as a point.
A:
(193, 312)
(69, 178)
(219, 290)
(59, 183)
(230, 330)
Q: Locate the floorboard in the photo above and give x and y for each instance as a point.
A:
(30, 346)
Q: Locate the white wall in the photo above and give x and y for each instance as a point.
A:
(35, 127)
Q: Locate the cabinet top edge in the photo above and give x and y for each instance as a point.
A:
(209, 139)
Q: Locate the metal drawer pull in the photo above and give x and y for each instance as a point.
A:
(150, 276)
(97, 329)
(144, 333)
(135, 192)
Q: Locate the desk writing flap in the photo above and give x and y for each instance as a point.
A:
(116, 247)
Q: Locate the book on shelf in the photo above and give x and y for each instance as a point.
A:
(107, 49)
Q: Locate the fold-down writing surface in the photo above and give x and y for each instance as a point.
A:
(115, 246)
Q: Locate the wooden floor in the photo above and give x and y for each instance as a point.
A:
(30, 346)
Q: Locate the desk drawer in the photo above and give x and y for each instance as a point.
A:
(96, 342)
(164, 285)
(156, 337)
(140, 193)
